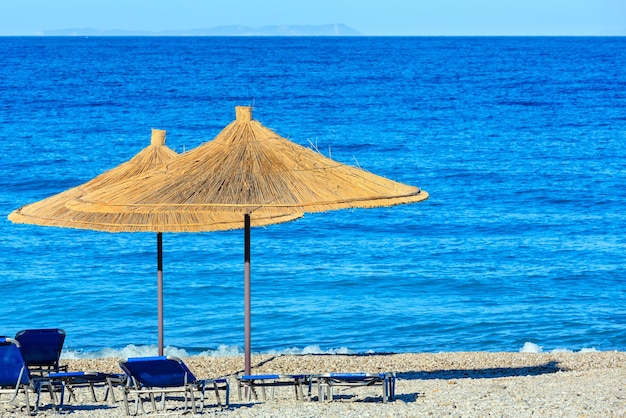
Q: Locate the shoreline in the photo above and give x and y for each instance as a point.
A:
(562, 384)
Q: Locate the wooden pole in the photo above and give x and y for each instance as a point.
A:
(160, 288)
(246, 286)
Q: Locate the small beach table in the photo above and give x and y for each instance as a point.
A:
(326, 382)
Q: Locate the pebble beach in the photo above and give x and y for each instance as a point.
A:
(476, 384)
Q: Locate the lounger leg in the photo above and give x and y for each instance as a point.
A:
(247, 392)
(70, 390)
(385, 390)
(126, 402)
(109, 391)
(140, 404)
(53, 395)
(202, 395)
(217, 394)
(125, 395)
(153, 402)
(193, 400)
(298, 388)
(93, 392)
(162, 401)
(28, 403)
(321, 388)
(61, 396)
(50, 387)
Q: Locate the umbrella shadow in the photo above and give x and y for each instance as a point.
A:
(487, 373)
(76, 407)
(443, 374)
(257, 365)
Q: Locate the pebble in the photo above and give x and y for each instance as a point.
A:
(481, 384)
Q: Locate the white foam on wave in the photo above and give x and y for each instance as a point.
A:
(221, 351)
(132, 350)
(529, 347)
(312, 349)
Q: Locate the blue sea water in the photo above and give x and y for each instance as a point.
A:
(521, 143)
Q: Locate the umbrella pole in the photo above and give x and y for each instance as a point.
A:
(160, 288)
(246, 287)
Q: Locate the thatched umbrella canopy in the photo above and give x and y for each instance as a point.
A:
(250, 171)
(53, 211)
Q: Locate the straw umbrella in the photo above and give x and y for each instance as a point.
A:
(249, 171)
(53, 211)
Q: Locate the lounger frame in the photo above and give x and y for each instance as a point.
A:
(327, 382)
(70, 381)
(41, 349)
(247, 384)
(175, 378)
(15, 378)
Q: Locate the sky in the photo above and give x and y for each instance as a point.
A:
(369, 17)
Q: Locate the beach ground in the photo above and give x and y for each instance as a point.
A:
(480, 384)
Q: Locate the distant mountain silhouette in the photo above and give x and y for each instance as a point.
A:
(234, 30)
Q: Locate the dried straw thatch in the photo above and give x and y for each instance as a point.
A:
(247, 169)
(53, 211)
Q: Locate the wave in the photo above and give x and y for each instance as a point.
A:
(529, 347)
(132, 350)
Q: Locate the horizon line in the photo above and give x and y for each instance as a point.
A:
(317, 36)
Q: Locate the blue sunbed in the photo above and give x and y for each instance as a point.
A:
(41, 349)
(154, 376)
(89, 379)
(15, 378)
(249, 383)
(326, 382)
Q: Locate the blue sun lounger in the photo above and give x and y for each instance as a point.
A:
(249, 383)
(86, 379)
(41, 349)
(15, 378)
(159, 376)
(326, 383)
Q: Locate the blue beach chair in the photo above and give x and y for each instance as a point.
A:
(158, 376)
(69, 381)
(15, 378)
(41, 349)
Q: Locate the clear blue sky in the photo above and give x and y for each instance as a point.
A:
(370, 17)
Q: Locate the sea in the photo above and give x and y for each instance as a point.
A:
(520, 142)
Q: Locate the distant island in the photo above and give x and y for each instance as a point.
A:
(234, 30)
